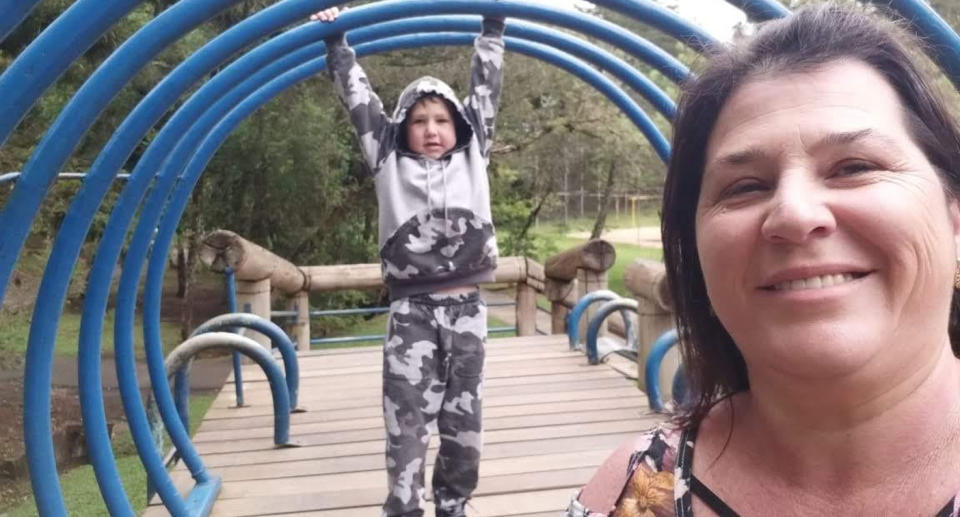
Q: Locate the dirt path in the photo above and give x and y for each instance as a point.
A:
(647, 236)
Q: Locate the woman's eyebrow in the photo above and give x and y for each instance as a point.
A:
(849, 137)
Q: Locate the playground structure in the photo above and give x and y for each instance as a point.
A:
(176, 157)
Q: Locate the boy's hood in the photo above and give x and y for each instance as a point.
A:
(427, 85)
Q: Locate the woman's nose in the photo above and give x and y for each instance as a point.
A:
(799, 211)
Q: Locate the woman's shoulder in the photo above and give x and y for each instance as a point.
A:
(645, 463)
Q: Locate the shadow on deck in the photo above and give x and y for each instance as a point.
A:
(549, 421)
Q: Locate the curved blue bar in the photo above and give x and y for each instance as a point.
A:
(944, 42)
(573, 319)
(533, 32)
(181, 390)
(651, 369)
(158, 264)
(14, 11)
(49, 55)
(250, 348)
(285, 10)
(180, 197)
(942, 39)
(84, 107)
(231, 281)
(760, 10)
(268, 328)
(593, 329)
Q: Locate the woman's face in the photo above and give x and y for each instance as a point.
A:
(826, 239)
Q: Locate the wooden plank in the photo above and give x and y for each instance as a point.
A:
(514, 451)
(494, 346)
(550, 420)
(516, 363)
(344, 416)
(538, 398)
(313, 398)
(373, 428)
(374, 480)
(496, 372)
(305, 501)
(373, 441)
(319, 383)
(529, 437)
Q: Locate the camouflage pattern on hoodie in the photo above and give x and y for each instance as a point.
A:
(435, 230)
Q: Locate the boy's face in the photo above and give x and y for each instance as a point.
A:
(430, 128)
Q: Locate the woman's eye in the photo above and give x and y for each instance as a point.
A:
(850, 168)
(743, 187)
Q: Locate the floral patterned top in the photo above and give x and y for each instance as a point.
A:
(659, 480)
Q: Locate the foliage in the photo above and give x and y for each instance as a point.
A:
(81, 494)
(290, 177)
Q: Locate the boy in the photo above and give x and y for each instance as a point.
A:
(436, 242)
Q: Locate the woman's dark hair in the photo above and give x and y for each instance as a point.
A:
(808, 39)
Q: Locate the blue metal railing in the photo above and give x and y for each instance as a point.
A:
(176, 157)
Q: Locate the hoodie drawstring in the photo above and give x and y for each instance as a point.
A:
(446, 217)
(429, 193)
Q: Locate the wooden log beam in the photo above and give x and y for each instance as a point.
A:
(648, 279)
(596, 255)
(345, 276)
(366, 276)
(222, 248)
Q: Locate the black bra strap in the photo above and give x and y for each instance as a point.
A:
(947, 510)
(710, 499)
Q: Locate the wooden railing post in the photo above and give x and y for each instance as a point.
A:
(562, 295)
(526, 309)
(589, 281)
(588, 265)
(646, 280)
(255, 294)
(299, 328)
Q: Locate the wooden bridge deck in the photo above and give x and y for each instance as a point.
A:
(550, 419)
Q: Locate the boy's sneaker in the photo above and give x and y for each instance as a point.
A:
(451, 507)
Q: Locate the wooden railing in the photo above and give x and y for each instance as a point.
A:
(259, 272)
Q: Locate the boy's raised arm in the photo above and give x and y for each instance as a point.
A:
(362, 103)
(486, 80)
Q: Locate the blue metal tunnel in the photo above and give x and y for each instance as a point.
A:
(158, 189)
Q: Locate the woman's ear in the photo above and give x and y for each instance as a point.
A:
(953, 209)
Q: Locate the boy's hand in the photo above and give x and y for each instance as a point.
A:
(327, 15)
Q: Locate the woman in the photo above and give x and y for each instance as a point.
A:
(811, 228)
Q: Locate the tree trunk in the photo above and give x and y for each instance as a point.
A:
(181, 269)
(604, 203)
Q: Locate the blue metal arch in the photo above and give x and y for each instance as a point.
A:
(77, 116)
(593, 327)
(103, 11)
(14, 11)
(144, 235)
(91, 329)
(177, 159)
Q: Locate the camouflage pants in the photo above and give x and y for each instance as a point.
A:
(432, 380)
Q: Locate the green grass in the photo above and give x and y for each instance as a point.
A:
(15, 327)
(81, 494)
(626, 254)
(648, 217)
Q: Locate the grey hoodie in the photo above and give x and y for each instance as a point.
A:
(435, 229)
